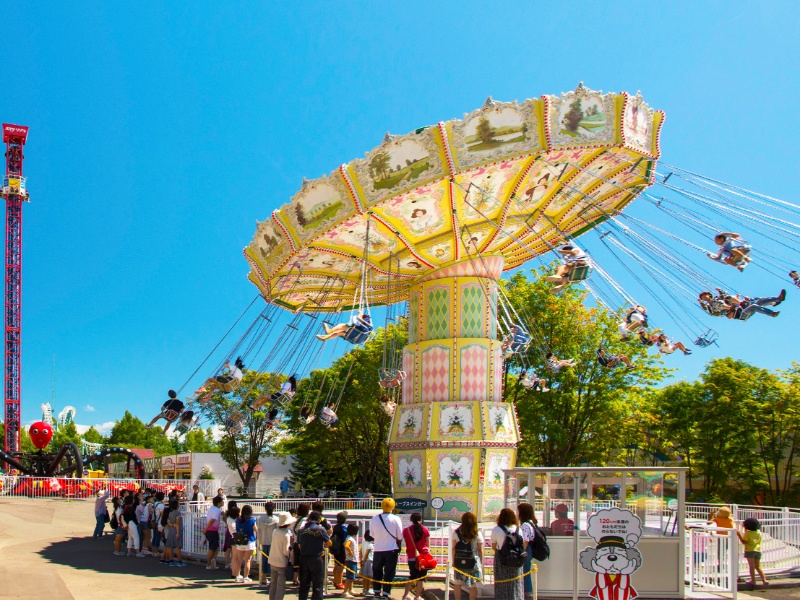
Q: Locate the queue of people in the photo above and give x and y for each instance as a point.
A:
(296, 547)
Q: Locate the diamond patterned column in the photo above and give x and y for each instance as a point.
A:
(452, 428)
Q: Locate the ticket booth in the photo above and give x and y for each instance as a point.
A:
(590, 513)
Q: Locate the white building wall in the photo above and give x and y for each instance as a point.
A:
(275, 469)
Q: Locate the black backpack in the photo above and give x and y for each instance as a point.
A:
(114, 523)
(512, 552)
(464, 558)
(539, 548)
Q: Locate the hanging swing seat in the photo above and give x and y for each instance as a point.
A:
(580, 272)
(357, 334)
(226, 383)
(235, 422)
(171, 415)
(708, 338)
(391, 378)
(185, 427)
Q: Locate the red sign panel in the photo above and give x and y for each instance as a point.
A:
(14, 131)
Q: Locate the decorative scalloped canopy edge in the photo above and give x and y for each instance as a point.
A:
(509, 178)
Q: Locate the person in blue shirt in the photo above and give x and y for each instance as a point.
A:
(516, 340)
(285, 487)
(361, 322)
(312, 539)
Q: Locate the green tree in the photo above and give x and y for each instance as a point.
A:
(677, 408)
(580, 419)
(573, 117)
(380, 164)
(62, 435)
(242, 450)
(131, 432)
(356, 454)
(93, 436)
(199, 440)
(484, 130)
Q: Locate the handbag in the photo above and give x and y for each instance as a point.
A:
(240, 539)
(425, 560)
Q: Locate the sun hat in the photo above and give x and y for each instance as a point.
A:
(285, 518)
(724, 512)
(388, 504)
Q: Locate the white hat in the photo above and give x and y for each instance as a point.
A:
(285, 518)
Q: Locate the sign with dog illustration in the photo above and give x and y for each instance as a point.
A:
(614, 557)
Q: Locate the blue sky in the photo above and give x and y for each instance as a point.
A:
(160, 133)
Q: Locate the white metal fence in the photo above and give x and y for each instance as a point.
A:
(712, 560)
(71, 489)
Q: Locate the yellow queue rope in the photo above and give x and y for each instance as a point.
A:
(534, 569)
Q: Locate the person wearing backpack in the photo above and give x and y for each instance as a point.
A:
(534, 541)
(338, 535)
(467, 553)
(266, 527)
(158, 511)
(509, 557)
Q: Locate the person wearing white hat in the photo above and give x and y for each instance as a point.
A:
(280, 555)
(100, 512)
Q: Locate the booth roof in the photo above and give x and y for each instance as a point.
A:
(143, 453)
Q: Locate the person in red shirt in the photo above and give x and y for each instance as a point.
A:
(417, 538)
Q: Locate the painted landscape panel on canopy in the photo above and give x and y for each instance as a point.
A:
(456, 421)
(496, 131)
(421, 213)
(398, 165)
(318, 206)
(583, 118)
(269, 247)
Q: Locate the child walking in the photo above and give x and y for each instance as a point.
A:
(350, 560)
(752, 550)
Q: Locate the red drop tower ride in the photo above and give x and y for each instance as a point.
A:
(15, 193)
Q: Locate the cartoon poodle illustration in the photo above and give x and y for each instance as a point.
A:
(614, 558)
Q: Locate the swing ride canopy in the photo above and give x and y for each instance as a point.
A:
(511, 179)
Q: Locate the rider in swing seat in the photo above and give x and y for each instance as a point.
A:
(285, 394)
(360, 323)
(532, 382)
(610, 361)
(328, 417)
(573, 257)
(515, 341)
(733, 250)
(170, 411)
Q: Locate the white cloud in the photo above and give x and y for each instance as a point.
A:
(88, 408)
(103, 428)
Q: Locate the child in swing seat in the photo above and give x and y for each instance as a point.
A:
(306, 414)
(328, 417)
(752, 550)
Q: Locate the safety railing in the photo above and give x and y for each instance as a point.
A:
(712, 563)
(68, 488)
(332, 505)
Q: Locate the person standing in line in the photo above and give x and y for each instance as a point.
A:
(416, 537)
(174, 533)
(511, 587)
(313, 540)
(367, 549)
(119, 530)
(338, 535)
(387, 529)
(155, 522)
(302, 518)
(280, 556)
(230, 528)
(527, 529)
(350, 559)
(221, 494)
(145, 532)
(266, 527)
(467, 553)
(244, 544)
(100, 512)
(130, 525)
(285, 487)
(211, 531)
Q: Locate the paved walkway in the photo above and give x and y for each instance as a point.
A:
(47, 552)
